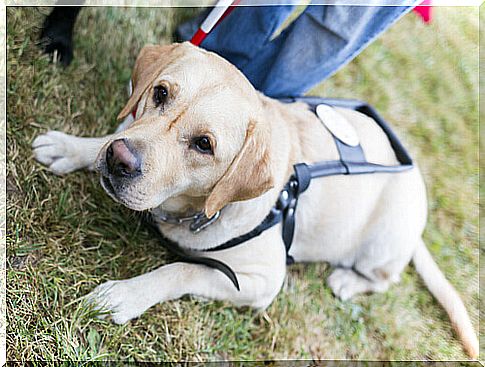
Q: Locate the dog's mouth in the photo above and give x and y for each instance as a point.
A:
(135, 194)
(118, 194)
(108, 187)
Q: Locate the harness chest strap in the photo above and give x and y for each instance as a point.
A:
(352, 161)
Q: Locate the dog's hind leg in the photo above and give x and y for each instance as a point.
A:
(64, 153)
(376, 266)
(388, 241)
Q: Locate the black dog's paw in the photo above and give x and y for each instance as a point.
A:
(58, 46)
(56, 35)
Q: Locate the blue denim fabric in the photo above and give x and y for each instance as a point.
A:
(313, 47)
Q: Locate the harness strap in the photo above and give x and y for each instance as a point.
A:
(193, 257)
(274, 217)
(297, 186)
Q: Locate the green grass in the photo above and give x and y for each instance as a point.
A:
(65, 236)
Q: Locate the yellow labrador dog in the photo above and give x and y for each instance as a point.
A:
(203, 139)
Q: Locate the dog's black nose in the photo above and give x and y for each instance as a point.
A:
(122, 160)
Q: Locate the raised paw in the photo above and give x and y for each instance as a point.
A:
(60, 152)
(119, 299)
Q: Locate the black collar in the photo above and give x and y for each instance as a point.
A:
(352, 161)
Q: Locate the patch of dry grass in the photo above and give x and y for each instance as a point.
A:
(65, 235)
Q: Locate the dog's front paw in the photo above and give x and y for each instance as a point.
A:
(58, 46)
(119, 299)
(58, 151)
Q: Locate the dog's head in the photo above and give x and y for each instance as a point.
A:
(197, 133)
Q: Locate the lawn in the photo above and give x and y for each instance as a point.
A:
(65, 235)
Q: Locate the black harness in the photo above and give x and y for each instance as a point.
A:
(352, 161)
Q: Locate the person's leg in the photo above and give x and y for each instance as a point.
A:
(316, 45)
(242, 35)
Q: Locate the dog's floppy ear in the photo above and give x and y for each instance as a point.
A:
(149, 63)
(249, 174)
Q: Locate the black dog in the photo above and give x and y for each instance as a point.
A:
(57, 30)
(56, 35)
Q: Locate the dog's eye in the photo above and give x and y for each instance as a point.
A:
(160, 95)
(202, 144)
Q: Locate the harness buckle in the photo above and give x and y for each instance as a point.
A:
(201, 221)
(176, 220)
(198, 221)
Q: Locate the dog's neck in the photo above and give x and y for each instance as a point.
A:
(235, 219)
(183, 205)
(184, 212)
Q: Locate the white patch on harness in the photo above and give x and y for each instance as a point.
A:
(337, 125)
